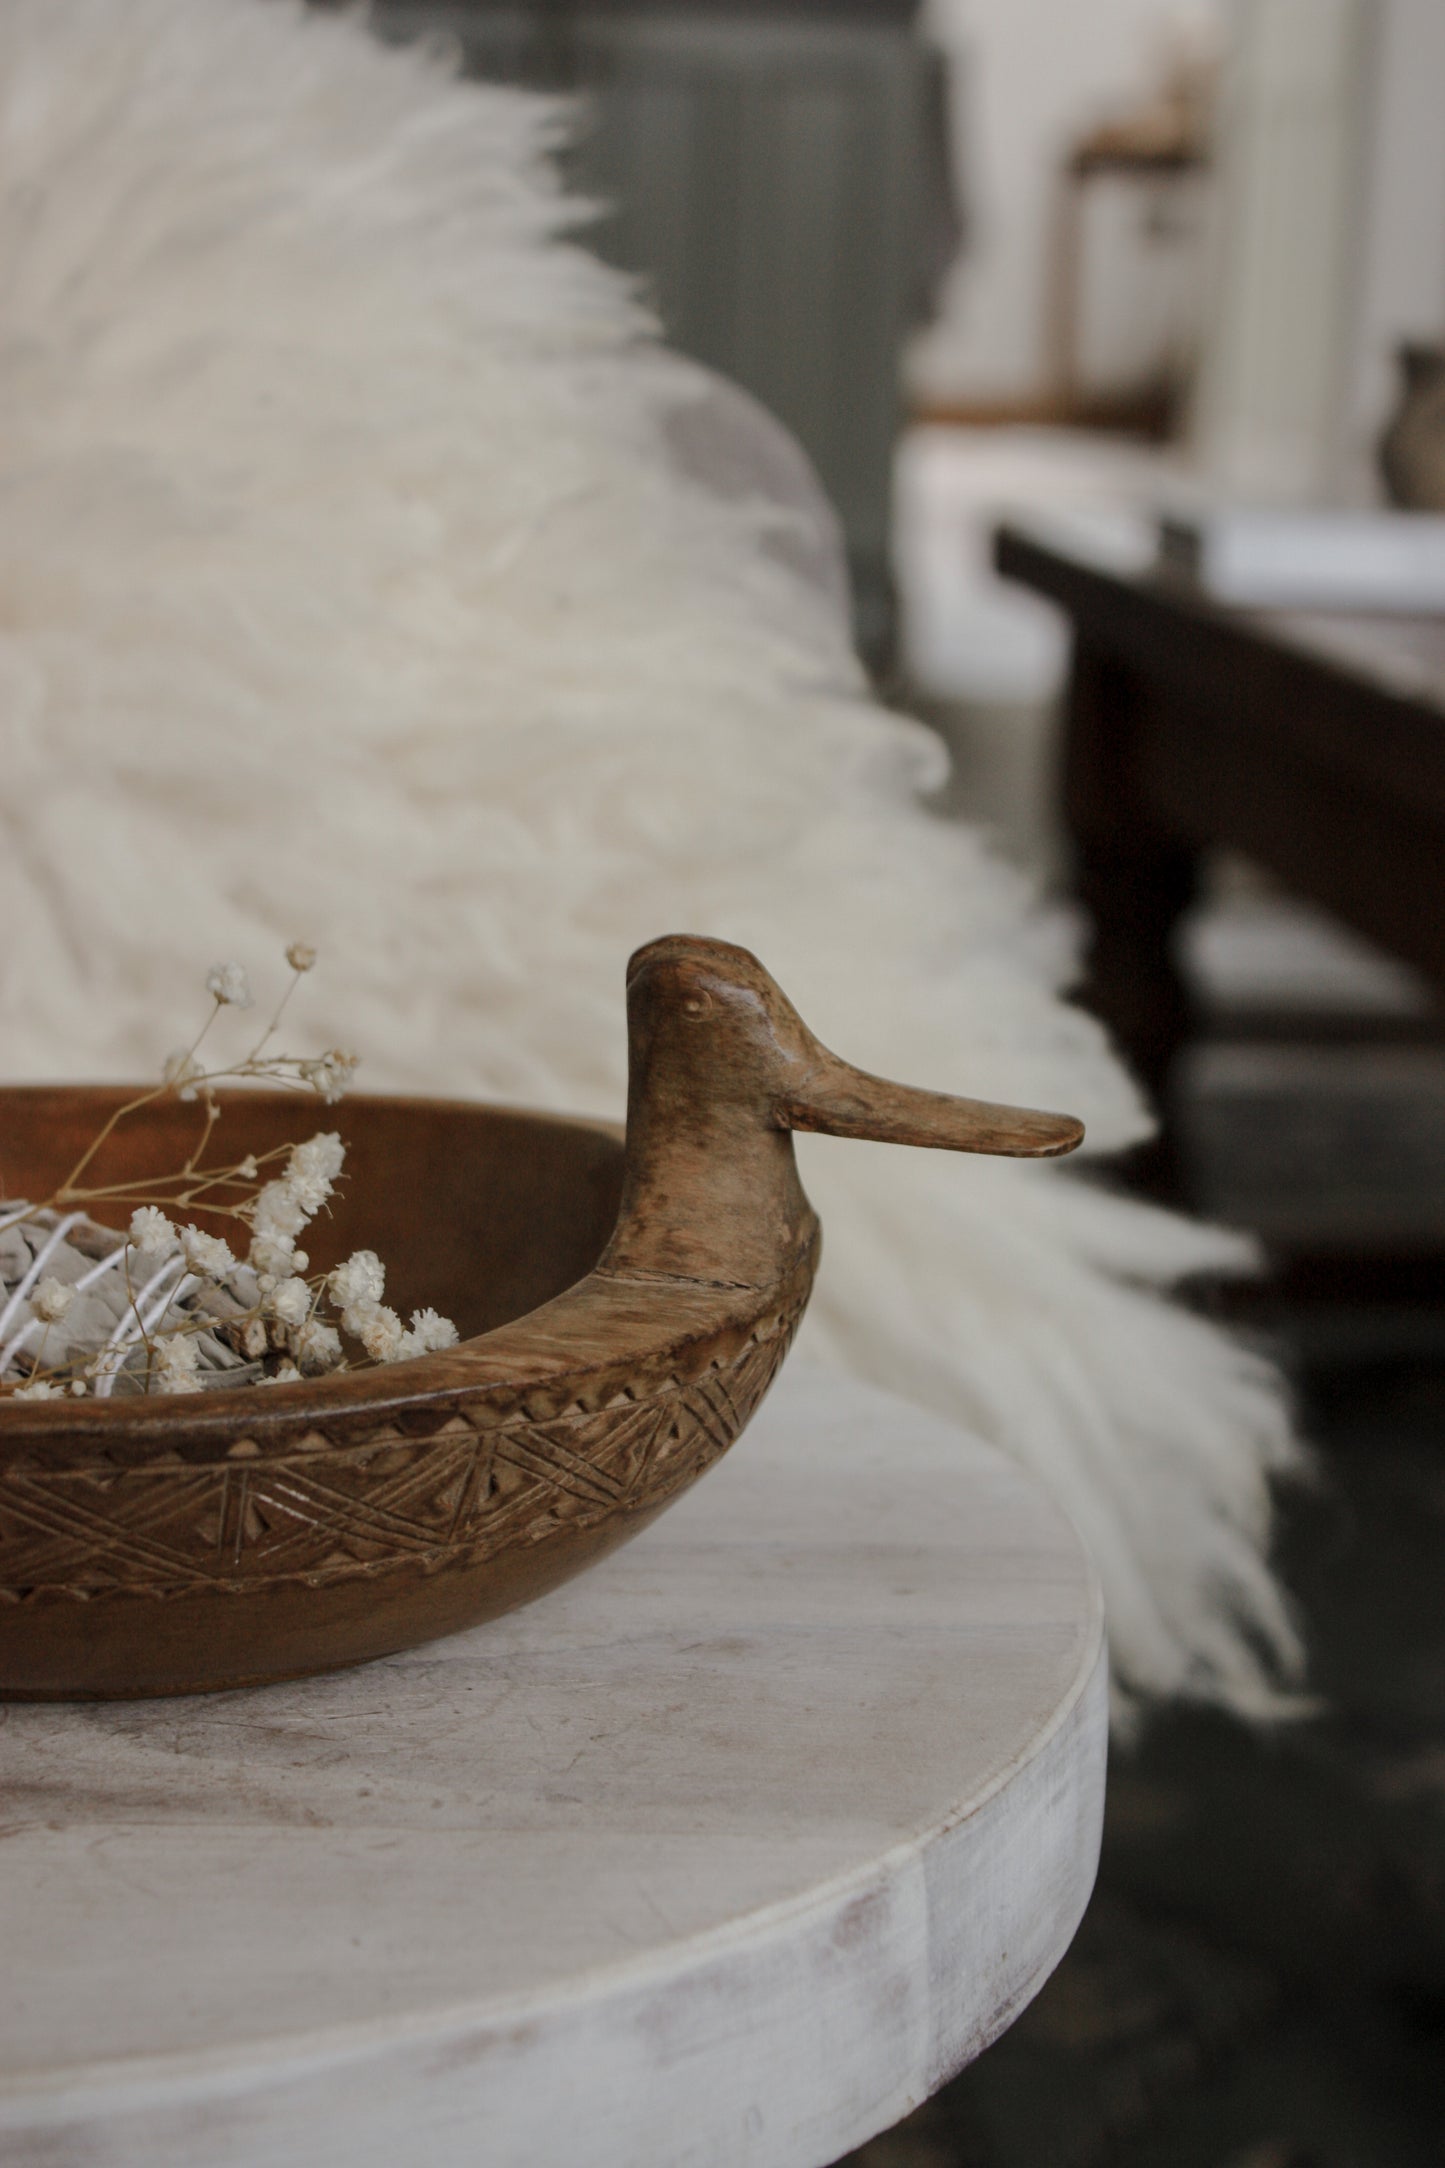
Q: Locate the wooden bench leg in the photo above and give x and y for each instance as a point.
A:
(1135, 881)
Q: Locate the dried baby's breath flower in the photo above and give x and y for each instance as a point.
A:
(323, 1154)
(39, 1389)
(51, 1299)
(278, 1213)
(357, 1315)
(180, 1070)
(361, 1279)
(379, 1330)
(383, 1336)
(79, 1388)
(152, 1233)
(177, 1359)
(273, 1256)
(208, 1256)
(320, 1159)
(310, 1191)
(229, 986)
(317, 1347)
(254, 1338)
(301, 956)
(331, 1075)
(431, 1332)
(290, 1301)
(288, 1374)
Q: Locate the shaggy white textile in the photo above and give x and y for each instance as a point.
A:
(346, 591)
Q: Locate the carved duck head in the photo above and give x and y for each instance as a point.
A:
(722, 1070)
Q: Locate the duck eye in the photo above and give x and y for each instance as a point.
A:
(696, 1007)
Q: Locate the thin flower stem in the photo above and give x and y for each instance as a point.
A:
(216, 1007)
(178, 1201)
(213, 1115)
(276, 1015)
(134, 1326)
(69, 1187)
(132, 1106)
(152, 1189)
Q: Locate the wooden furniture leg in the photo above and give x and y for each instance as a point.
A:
(1134, 881)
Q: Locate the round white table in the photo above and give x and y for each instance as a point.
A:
(728, 1853)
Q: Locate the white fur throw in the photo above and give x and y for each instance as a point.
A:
(347, 591)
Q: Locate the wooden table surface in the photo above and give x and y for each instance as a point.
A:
(1313, 742)
(730, 1852)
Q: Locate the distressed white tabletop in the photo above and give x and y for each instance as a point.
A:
(728, 1853)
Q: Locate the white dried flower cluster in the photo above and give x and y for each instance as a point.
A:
(280, 1211)
(317, 1347)
(431, 1331)
(358, 1286)
(176, 1361)
(291, 1306)
(360, 1280)
(290, 1301)
(208, 1256)
(276, 1257)
(192, 1305)
(287, 1316)
(152, 1233)
(51, 1299)
(229, 986)
(278, 1215)
(284, 1207)
(313, 1168)
(330, 1076)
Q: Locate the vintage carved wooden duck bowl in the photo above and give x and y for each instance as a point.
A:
(628, 1307)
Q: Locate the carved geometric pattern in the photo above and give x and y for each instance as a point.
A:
(458, 1496)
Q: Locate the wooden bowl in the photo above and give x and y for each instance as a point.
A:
(624, 1311)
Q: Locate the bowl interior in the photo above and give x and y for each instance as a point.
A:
(481, 1212)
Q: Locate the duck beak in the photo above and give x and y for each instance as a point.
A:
(840, 1101)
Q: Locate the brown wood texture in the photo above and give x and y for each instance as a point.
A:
(165, 1545)
(1312, 743)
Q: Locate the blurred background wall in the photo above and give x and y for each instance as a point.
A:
(1318, 244)
(777, 175)
(1331, 236)
(1028, 80)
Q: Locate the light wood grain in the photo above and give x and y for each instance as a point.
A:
(726, 1854)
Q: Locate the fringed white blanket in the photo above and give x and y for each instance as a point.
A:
(347, 591)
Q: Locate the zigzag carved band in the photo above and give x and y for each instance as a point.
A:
(459, 1497)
